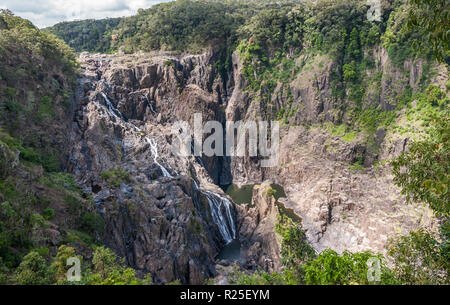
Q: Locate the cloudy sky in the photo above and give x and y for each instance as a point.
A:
(48, 12)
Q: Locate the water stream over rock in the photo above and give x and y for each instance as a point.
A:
(220, 206)
(221, 214)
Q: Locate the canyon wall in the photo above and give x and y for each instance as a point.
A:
(166, 214)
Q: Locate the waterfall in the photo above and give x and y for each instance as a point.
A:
(113, 110)
(153, 145)
(224, 221)
(150, 104)
(154, 148)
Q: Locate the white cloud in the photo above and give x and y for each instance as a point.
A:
(48, 12)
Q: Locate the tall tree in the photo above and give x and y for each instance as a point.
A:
(431, 19)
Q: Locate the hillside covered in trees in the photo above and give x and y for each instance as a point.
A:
(86, 35)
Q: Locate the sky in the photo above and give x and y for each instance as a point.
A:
(45, 13)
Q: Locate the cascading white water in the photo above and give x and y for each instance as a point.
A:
(112, 110)
(150, 105)
(225, 223)
(220, 206)
(154, 148)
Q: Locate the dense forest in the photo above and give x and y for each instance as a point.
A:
(92, 35)
(271, 40)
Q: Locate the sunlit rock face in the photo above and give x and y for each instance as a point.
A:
(342, 206)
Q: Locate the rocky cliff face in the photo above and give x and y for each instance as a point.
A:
(166, 214)
(342, 206)
(260, 243)
(163, 214)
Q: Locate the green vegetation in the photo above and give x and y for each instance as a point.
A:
(109, 269)
(61, 181)
(106, 269)
(430, 18)
(420, 259)
(26, 212)
(303, 266)
(422, 172)
(115, 177)
(276, 42)
(49, 214)
(23, 33)
(176, 26)
(92, 223)
(37, 73)
(32, 270)
(269, 191)
(295, 250)
(86, 35)
(330, 268)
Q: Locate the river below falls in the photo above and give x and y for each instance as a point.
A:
(231, 251)
(242, 195)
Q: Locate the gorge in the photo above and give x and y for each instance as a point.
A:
(114, 110)
(87, 166)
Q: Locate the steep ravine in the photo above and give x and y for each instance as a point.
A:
(165, 215)
(171, 218)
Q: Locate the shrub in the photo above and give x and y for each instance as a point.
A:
(49, 213)
(115, 177)
(330, 268)
(37, 220)
(90, 223)
(419, 259)
(109, 269)
(422, 171)
(32, 270)
(269, 191)
(58, 269)
(74, 204)
(295, 250)
(60, 180)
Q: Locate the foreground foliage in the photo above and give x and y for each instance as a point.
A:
(106, 269)
(421, 258)
(422, 171)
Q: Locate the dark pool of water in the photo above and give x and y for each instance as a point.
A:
(289, 213)
(279, 191)
(231, 251)
(244, 194)
(240, 195)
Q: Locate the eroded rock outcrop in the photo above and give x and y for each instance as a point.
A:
(260, 242)
(339, 186)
